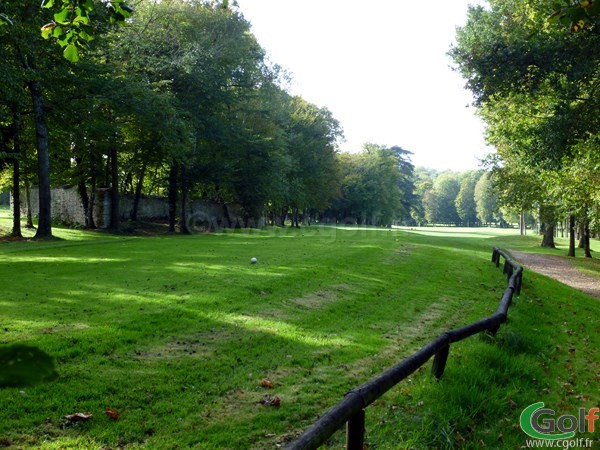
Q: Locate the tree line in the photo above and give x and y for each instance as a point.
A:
(533, 70)
(183, 103)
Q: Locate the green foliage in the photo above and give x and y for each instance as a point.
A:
(466, 206)
(207, 103)
(536, 89)
(576, 16)
(72, 27)
(374, 184)
(486, 199)
(446, 188)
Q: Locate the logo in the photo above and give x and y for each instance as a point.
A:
(540, 423)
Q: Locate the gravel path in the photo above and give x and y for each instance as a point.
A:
(560, 269)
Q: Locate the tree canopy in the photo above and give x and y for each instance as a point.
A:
(535, 85)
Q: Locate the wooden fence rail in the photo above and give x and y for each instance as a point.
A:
(351, 410)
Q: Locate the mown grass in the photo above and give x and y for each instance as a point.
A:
(177, 332)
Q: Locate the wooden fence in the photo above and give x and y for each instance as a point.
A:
(351, 410)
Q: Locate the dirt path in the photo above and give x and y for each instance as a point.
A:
(560, 269)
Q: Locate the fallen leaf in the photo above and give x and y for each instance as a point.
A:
(267, 384)
(112, 413)
(79, 417)
(270, 401)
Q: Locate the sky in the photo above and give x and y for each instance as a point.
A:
(381, 68)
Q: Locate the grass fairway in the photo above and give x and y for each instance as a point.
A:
(177, 332)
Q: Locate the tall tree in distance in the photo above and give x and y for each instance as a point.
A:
(466, 207)
(486, 199)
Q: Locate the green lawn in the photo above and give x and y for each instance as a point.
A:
(177, 332)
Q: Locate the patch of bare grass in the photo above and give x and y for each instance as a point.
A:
(322, 297)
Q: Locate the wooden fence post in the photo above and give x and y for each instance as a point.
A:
(509, 272)
(355, 431)
(493, 330)
(439, 361)
(519, 282)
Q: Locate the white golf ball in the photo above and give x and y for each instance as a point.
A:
(254, 260)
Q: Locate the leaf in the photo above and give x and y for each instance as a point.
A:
(66, 38)
(267, 384)
(270, 401)
(24, 365)
(47, 3)
(58, 32)
(81, 19)
(112, 413)
(79, 417)
(48, 29)
(85, 36)
(62, 16)
(71, 53)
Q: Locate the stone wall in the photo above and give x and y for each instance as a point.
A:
(67, 208)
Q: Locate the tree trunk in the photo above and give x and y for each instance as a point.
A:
(571, 236)
(227, 216)
(138, 192)
(586, 238)
(548, 224)
(29, 221)
(522, 227)
(548, 236)
(183, 222)
(90, 219)
(581, 234)
(44, 229)
(172, 197)
(85, 201)
(283, 216)
(16, 229)
(115, 215)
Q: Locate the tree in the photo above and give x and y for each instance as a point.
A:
(486, 199)
(535, 87)
(423, 185)
(370, 185)
(23, 50)
(446, 188)
(311, 142)
(466, 206)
